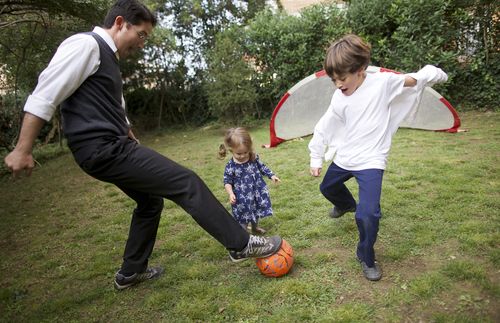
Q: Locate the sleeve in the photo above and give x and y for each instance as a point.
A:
(394, 86)
(124, 107)
(264, 170)
(74, 61)
(228, 174)
(429, 75)
(326, 134)
(405, 108)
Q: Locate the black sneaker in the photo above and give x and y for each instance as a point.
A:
(122, 281)
(257, 247)
(337, 213)
(371, 273)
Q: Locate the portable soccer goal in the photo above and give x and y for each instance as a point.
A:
(302, 106)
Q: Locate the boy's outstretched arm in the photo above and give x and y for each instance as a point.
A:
(427, 75)
(410, 81)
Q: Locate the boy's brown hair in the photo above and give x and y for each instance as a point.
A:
(347, 55)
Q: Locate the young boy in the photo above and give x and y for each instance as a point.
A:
(358, 125)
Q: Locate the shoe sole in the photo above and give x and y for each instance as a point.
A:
(122, 287)
(373, 279)
(237, 260)
(342, 213)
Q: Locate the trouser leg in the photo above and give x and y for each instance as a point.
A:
(368, 212)
(136, 168)
(143, 229)
(334, 189)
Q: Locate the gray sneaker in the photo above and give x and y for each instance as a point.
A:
(371, 273)
(337, 213)
(257, 247)
(122, 281)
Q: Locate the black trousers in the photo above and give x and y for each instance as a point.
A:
(147, 177)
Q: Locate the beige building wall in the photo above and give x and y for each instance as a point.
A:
(294, 6)
(3, 82)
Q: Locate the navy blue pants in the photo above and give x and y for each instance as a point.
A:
(367, 210)
(147, 177)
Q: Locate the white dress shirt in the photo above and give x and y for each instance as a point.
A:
(76, 59)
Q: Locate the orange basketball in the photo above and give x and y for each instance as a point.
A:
(278, 264)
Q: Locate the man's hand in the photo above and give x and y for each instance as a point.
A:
(132, 136)
(21, 158)
(18, 162)
(315, 171)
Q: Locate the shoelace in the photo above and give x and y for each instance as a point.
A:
(254, 240)
(145, 275)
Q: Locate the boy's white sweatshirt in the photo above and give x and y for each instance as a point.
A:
(358, 129)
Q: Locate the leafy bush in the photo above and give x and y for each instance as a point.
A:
(455, 35)
(288, 48)
(231, 95)
(249, 68)
(10, 121)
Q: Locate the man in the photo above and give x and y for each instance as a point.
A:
(84, 77)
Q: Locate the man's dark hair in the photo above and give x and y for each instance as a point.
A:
(132, 11)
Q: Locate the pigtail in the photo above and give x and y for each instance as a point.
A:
(222, 151)
(252, 156)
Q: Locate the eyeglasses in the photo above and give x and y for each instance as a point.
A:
(141, 34)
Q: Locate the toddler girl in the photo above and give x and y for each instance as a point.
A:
(247, 190)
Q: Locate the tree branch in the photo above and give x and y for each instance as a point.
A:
(11, 23)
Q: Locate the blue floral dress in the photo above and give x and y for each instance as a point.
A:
(252, 194)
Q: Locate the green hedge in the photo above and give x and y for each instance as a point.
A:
(405, 35)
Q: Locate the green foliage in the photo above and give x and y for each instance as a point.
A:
(10, 120)
(370, 19)
(180, 77)
(164, 105)
(159, 90)
(458, 36)
(195, 23)
(30, 32)
(231, 95)
(175, 62)
(288, 48)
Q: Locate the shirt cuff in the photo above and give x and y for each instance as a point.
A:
(316, 163)
(39, 107)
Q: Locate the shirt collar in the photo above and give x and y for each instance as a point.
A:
(107, 38)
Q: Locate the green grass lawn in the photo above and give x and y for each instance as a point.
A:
(62, 235)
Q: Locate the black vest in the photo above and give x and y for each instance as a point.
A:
(95, 109)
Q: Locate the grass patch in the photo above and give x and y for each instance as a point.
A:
(62, 236)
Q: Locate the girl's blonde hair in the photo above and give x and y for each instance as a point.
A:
(347, 55)
(234, 138)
